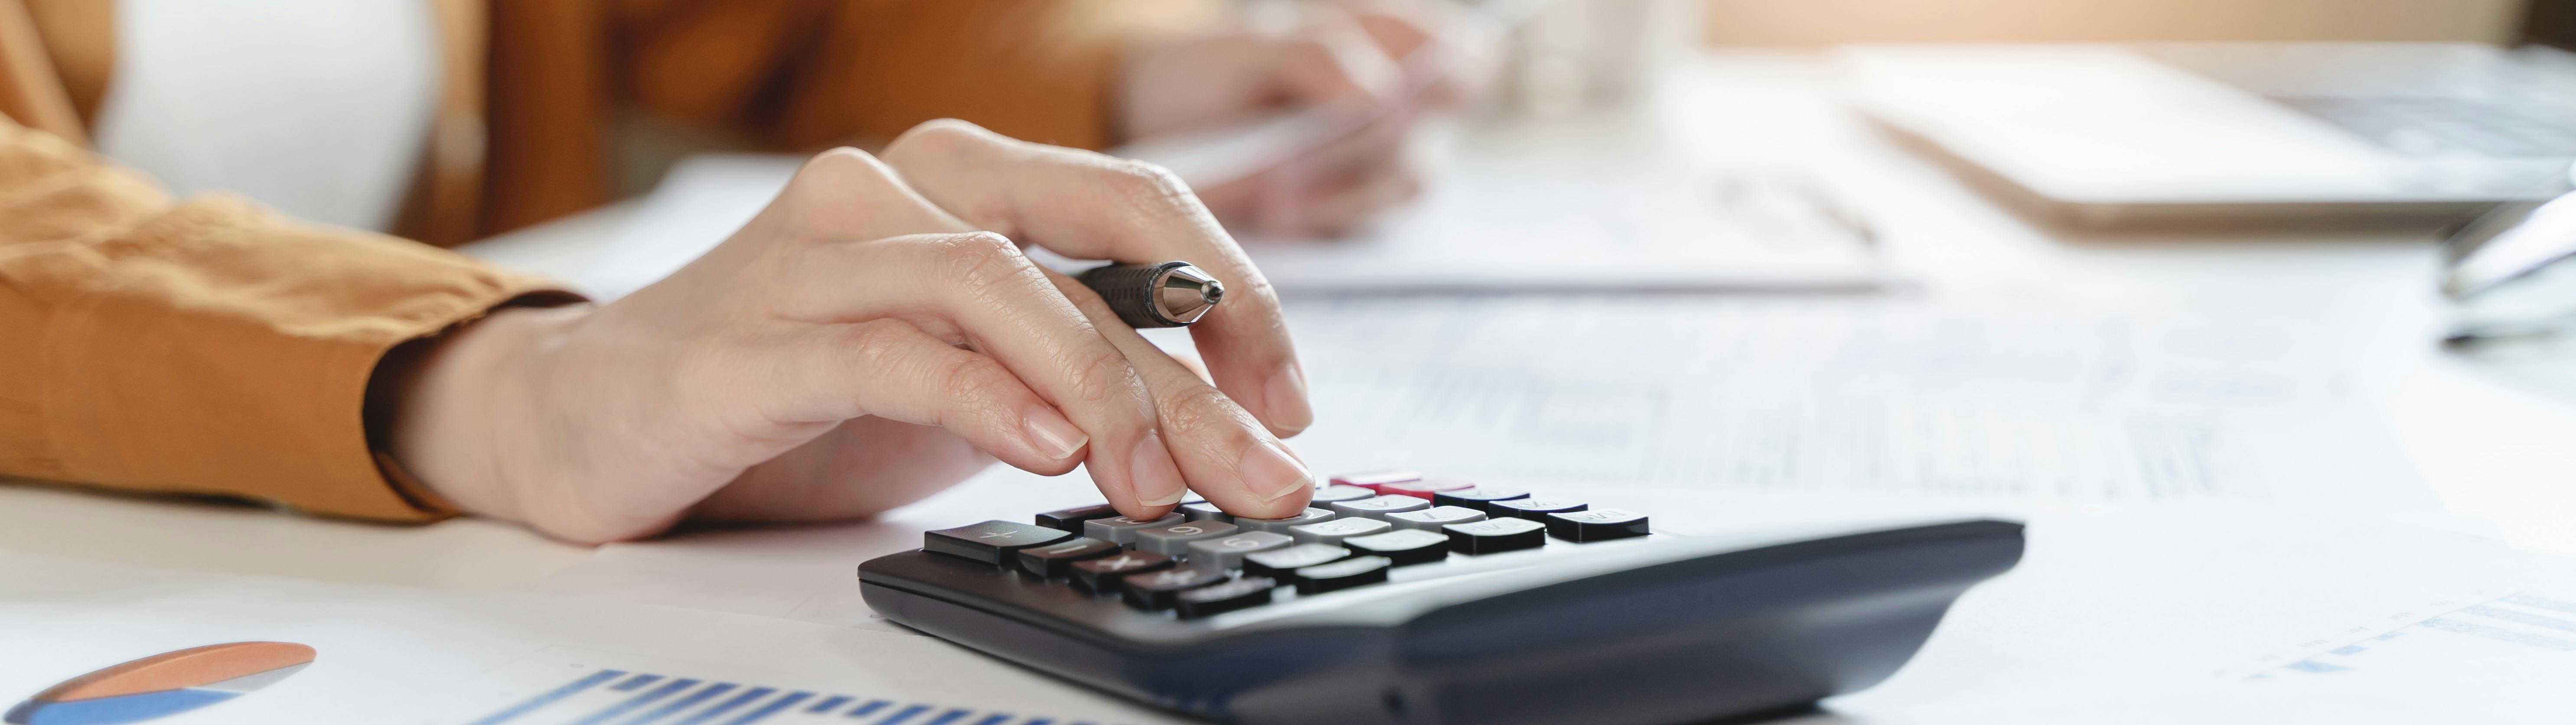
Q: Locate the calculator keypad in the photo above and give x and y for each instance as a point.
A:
(1199, 561)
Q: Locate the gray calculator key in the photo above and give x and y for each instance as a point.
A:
(1334, 531)
(991, 542)
(1204, 511)
(1329, 494)
(1281, 526)
(1282, 564)
(1405, 547)
(1379, 507)
(1431, 519)
(1121, 530)
(1174, 539)
(1226, 552)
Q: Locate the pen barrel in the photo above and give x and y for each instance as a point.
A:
(1130, 291)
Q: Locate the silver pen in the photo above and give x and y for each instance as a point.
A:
(1171, 294)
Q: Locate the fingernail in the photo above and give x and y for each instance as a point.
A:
(1271, 473)
(1052, 434)
(1286, 395)
(1151, 475)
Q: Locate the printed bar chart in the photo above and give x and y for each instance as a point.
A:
(619, 697)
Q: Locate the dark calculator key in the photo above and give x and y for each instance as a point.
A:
(1534, 508)
(1281, 526)
(1424, 489)
(1480, 498)
(1352, 572)
(991, 542)
(1334, 531)
(1373, 479)
(1221, 598)
(1282, 564)
(1596, 525)
(1053, 561)
(1431, 519)
(1226, 552)
(1121, 530)
(1156, 589)
(1495, 535)
(1405, 547)
(1379, 507)
(1071, 519)
(1204, 511)
(1174, 539)
(1101, 575)
(1328, 494)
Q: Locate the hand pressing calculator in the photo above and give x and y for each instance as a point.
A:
(1396, 598)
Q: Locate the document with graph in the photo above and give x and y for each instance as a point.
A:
(92, 645)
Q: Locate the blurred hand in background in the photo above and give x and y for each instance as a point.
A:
(1388, 65)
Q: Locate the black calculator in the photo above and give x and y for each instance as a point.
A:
(1396, 598)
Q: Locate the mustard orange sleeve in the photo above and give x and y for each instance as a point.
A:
(206, 345)
(804, 73)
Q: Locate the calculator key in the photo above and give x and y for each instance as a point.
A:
(1334, 531)
(1282, 564)
(1535, 508)
(1373, 479)
(1221, 598)
(1495, 535)
(1344, 574)
(1174, 539)
(1405, 547)
(1204, 511)
(991, 542)
(1054, 561)
(1281, 526)
(1329, 494)
(1423, 489)
(1226, 552)
(1379, 507)
(1101, 576)
(1431, 519)
(1155, 590)
(1596, 525)
(1071, 519)
(1121, 530)
(1480, 498)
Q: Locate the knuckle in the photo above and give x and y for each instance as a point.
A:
(1196, 410)
(1146, 181)
(975, 381)
(983, 261)
(939, 133)
(1096, 376)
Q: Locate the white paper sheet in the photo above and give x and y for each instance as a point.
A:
(2220, 614)
(391, 655)
(1869, 396)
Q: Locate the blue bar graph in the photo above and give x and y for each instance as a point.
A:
(620, 697)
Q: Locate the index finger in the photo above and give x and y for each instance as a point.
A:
(1091, 206)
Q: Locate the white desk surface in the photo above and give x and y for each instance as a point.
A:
(2489, 437)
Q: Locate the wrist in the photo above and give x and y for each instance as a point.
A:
(460, 417)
